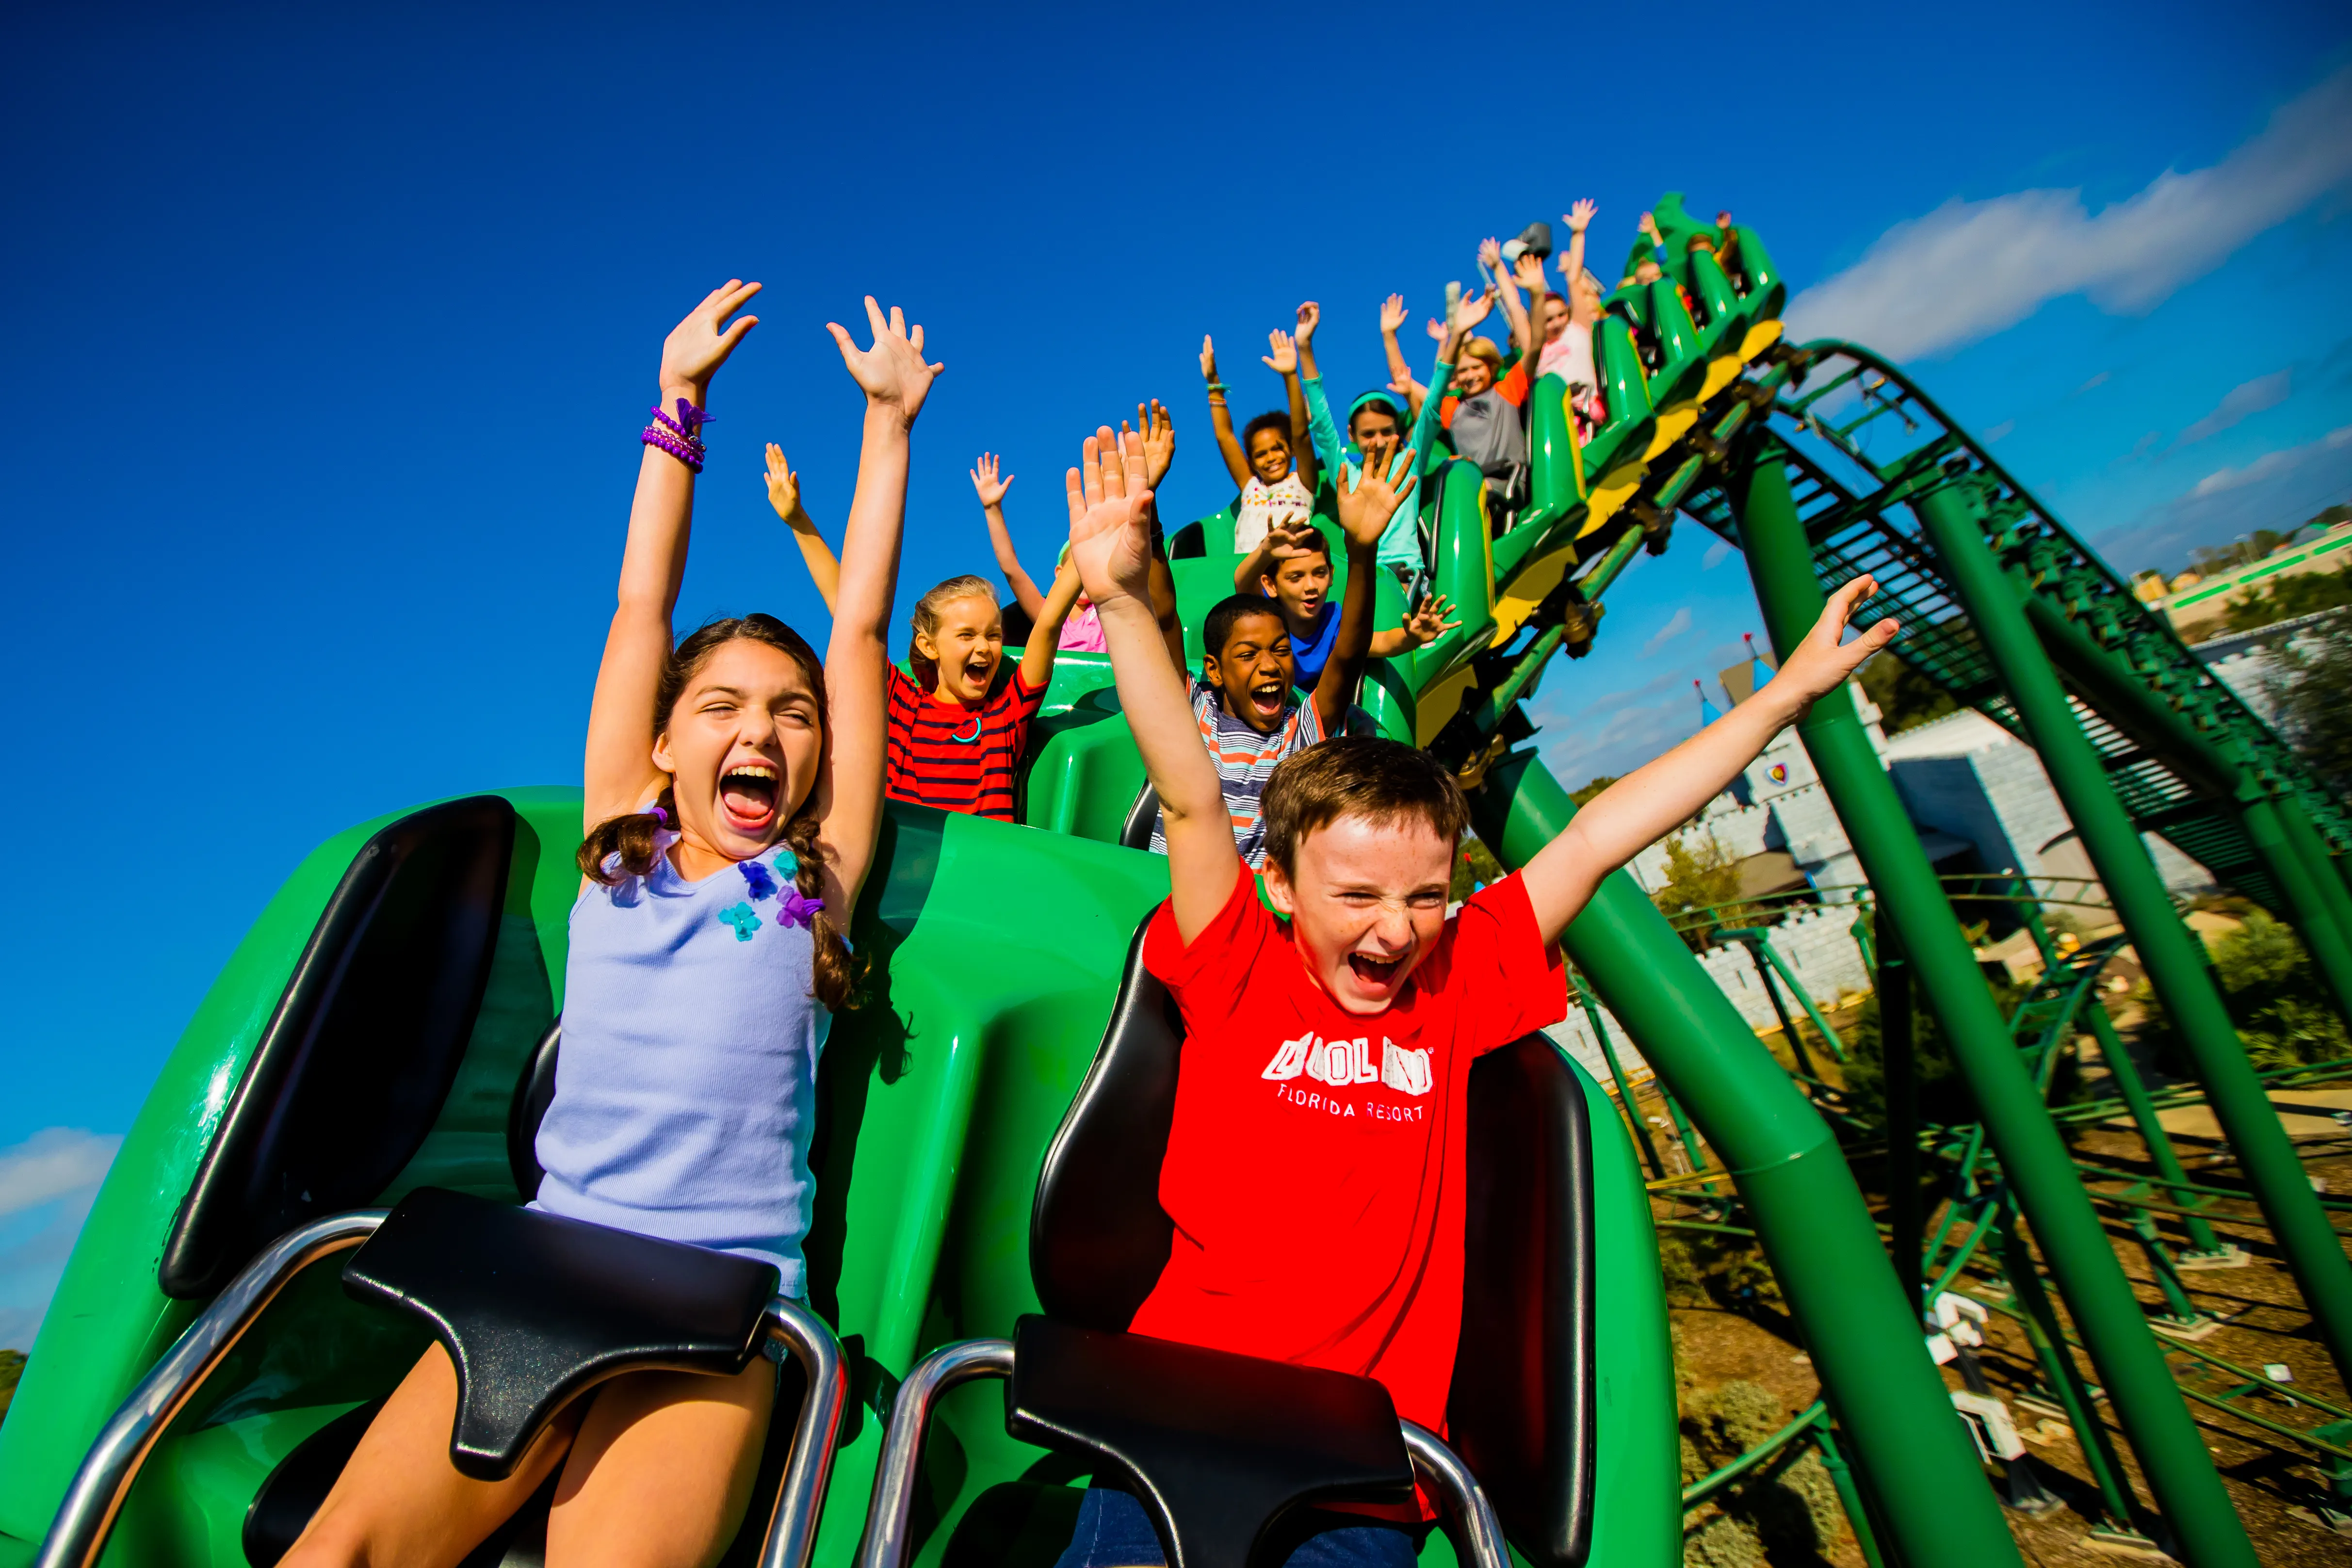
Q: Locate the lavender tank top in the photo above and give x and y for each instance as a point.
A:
(686, 1087)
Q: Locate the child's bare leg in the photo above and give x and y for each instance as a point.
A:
(400, 1501)
(661, 1470)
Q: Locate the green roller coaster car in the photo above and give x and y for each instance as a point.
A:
(997, 951)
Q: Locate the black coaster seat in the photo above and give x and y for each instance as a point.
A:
(535, 1308)
(340, 1092)
(1229, 1454)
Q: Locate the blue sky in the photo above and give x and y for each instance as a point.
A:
(328, 333)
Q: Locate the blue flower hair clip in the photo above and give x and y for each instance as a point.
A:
(762, 881)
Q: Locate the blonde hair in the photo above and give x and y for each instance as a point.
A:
(1484, 352)
(926, 618)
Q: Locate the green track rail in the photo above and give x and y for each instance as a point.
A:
(1861, 439)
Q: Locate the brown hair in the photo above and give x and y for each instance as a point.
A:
(926, 619)
(631, 835)
(1384, 782)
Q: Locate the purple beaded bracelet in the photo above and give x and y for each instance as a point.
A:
(655, 435)
(689, 420)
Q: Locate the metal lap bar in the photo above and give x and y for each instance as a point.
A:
(95, 1496)
(1478, 1533)
(893, 1505)
(1474, 1517)
(791, 1528)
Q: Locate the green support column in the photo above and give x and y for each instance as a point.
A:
(2302, 884)
(2313, 852)
(1865, 1338)
(1900, 1077)
(2175, 960)
(2315, 904)
(2032, 1157)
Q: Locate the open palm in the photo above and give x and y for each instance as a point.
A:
(892, 373)
(1823, 660)
(699, 345)
(1110, 541)
(985, 482)
(1368, 502)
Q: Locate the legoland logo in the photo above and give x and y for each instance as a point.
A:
(1344, 1062)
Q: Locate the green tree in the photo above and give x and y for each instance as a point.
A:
(11, 1367)
(2282, 1014)
(1701, 893)
(1473, 864)
(1906, 698)
(2289, 597)
(1592, 788)
(2308, 686)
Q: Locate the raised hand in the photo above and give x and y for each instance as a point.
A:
(1528, 272)
(1110, 536)
(1428, 621)
(1368, 502)
(1158, 434)
(1283, 360)
(1436, 330)
(1822, 661)
(1472, 310)
(1402, 385)
(1393, 313)
(1310, 315)
(1208, 359)
(891, 373)
(1649, 227)
(783, 484)
(1490, 253)
(985, 484)
(1579, 218)
(699, 345)
(1291, 535)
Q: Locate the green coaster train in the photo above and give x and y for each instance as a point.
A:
(384, 1037)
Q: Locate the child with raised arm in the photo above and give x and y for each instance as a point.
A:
(1330, 1053)
(1081, 632)
(1292, 566)
(1271, 459)
(734, 785)
(1245, 706)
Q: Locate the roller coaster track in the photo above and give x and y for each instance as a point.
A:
(1860, 441)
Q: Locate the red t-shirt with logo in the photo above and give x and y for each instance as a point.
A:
(1315, 1166)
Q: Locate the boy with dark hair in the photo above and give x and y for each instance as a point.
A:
(1292, 566)
(1326, 1060)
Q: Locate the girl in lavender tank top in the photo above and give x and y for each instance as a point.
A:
(735, 788)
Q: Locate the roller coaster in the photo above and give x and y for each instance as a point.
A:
(382, 1041)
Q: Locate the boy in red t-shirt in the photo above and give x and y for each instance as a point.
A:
(1314, 1165)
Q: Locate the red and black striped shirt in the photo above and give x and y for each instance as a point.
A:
(954, 757)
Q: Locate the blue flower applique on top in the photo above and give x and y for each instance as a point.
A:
(762, 884)
(740, 916)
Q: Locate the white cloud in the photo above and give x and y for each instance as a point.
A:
(1668, 632)
(48, 1183)
(1998, 431)
(1969, 269)
(2269, 464)
(54, 1162)
(2242, 401)
(2276, 490)
(1716, 554)
(2102, 379)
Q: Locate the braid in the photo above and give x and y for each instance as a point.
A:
(835, 970)
(632, 836)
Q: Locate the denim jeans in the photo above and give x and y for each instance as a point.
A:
(1113, 1531)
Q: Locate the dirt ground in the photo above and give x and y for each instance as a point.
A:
(2278, 1490)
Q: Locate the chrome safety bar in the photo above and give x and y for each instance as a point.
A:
(78, 1534)
(95, 1496)
(1478, 1533)
(800, 1501)
(1474, 1516)
(893, 1505)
